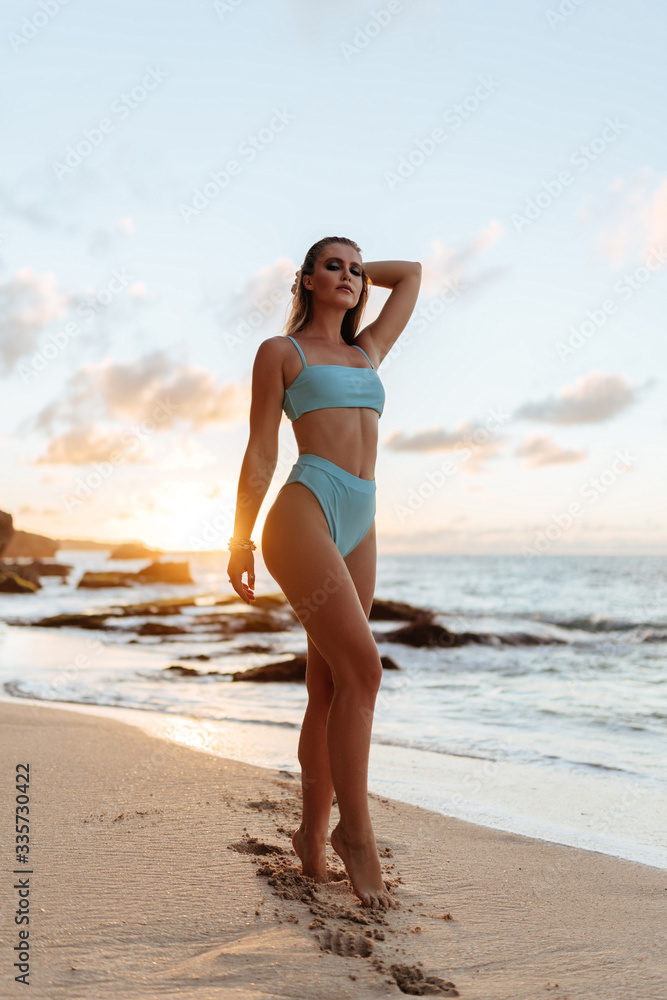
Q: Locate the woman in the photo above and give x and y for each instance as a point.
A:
(318, 540)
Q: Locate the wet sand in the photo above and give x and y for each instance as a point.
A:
(159, 869)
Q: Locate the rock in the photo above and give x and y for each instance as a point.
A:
(73, 621)
(25, 543)
(40, 568)
(94, 579)
(290, 670)
(193, 672)
(265, 601)
(255, 622)
(158, 628)
(146, 610)
(6, 529)
(287, 670)
(12, 583)
(183, 671)
(388, 663)
(165, 572)
(134, 550)
(25, 572)
(430, 634)
(162, 606)
(392, 610)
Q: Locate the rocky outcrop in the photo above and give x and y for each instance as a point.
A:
(289, 670)
(155, 572)
(165, 572)
(430, 634)
(26, 543)
(96, 580)
(134, 550)
(12, 583)
(39, 567)
(398, 611)
(6, 529)
(159, 628)
(73, 621)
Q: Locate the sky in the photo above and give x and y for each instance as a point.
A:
(168, 164)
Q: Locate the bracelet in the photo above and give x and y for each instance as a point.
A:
(241, 543)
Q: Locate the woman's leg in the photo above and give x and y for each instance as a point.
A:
(301, 556)
(317, 787)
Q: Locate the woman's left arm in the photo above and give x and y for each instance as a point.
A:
(404, 278)
(387, 273)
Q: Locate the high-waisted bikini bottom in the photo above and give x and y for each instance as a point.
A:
(348, 501)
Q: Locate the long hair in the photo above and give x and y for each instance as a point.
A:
(301, 312)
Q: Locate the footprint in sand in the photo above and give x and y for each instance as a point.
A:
(346, 943)
(410, 979)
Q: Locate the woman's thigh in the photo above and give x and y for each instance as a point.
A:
(361, 564)
(320, 585)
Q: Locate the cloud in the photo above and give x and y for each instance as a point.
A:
(265, 296)
(129, 391)
(29, 302)
(102, 240)
(541, 450)
(636, 212)
(475, 443)
(90, 444)
(445, 264)
(152, 391)
(593, 399)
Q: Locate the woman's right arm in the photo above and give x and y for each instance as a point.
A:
(260, 459)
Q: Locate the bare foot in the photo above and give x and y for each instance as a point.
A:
(363, 866)
(313, 856)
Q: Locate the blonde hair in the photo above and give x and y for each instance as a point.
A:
(301, 312)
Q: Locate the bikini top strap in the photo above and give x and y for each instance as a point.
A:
(303, 357)
(364, 353)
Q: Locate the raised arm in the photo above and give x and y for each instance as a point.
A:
(260, 459)
(404, 278)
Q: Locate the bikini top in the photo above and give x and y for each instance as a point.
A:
(320, 386)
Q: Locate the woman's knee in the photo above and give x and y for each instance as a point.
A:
(359, 670)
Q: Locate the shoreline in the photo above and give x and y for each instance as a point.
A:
(159, 867)
(420, 775)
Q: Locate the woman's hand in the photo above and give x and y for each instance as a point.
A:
(242, 561)
(296, 281)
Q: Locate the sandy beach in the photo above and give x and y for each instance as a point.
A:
(156, 868)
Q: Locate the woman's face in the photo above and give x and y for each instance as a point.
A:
(338, 268)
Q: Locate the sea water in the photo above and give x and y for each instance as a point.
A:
(564, 742)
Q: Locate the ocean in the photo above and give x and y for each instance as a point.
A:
(564, 742)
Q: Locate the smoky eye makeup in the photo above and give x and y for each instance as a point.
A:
(333, 265)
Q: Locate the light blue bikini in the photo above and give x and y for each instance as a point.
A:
(348, 502)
